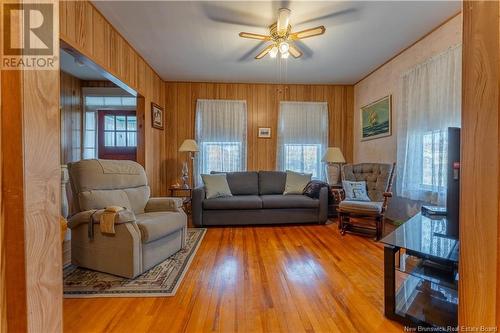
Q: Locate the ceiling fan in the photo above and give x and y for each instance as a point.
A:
(282, 38)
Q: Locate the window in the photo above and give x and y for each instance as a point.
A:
(222, 156)
(90, 134)
(120, 131)
(434, 159)
(221, 133)
(303, 158)
(430, 103)
(302, 137)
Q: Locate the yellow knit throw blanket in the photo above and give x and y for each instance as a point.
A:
(108, 218)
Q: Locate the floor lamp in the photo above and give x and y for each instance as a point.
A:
(191, 147)
(334, 160)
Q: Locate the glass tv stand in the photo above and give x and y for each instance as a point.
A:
(421, 273)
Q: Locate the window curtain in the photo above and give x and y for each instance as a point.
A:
(431, 102)
(302, 137)
(221, 134)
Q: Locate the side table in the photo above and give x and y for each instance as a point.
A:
(336, 191)
(185, 193)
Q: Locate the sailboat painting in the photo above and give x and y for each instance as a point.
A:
(376, 119)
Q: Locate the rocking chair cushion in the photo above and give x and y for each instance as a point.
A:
(361, 207)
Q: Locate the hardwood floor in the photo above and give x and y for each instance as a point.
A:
(258, 279)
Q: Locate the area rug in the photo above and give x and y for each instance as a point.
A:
(160, 281)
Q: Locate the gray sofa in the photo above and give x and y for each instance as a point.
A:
(258, 199)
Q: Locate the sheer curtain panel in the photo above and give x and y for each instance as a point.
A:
(302, 137)
(431, 102)
(221, 133)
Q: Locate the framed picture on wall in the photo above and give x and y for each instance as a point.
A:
(157, 116)
(376, 119)
(264, 132)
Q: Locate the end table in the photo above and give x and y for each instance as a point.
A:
(333, 208)
(181, 192)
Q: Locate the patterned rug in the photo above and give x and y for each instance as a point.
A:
(160, 281)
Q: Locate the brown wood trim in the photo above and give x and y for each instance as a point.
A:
(12, 201)
(409, 46)
(479, 284)
(141, 114)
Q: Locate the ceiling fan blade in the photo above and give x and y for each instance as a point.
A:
(348, 14)
(308, 53)
(308, 33)
(249, 55)
(264, 52)
(283, 21)
(254, 36)
(223, 14)
(294, 51)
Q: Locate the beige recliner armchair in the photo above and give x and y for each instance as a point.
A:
(147, 232)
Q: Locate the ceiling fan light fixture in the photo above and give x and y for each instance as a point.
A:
(273, 52)
(284, 47)
(285, 55)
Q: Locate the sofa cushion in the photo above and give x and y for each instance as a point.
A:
(272, 182)
(288, 201)
(242, 182)
(361, 207)
(157, 225)
(234, 202)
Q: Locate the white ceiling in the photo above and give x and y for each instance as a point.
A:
(198, 40)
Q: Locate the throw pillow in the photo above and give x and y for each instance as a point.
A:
(355, 191)
(296, 182)
(216, 186)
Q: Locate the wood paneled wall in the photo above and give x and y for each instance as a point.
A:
(31, 197)
(479, 284)
(3, 289)
(262, 107)
(85, 30)
(71, 118)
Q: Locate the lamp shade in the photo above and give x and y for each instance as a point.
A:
(189, 145)
(333, 155)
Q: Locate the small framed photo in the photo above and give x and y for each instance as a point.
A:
(264, 132)
(157, 118)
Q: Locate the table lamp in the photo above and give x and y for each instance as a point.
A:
(190, 146)
(334, 160)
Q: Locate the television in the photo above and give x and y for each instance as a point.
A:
(453, 182)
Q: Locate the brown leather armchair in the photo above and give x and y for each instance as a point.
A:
(378, 178)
